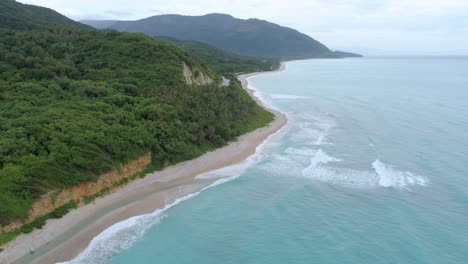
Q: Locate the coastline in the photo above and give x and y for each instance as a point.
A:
(63, 239)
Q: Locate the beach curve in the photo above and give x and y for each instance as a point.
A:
(63, 239)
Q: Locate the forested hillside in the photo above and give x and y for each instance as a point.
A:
(75, 103)
(14, 15)
(223, 61)
(251, 37)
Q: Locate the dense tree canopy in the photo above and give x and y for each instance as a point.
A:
(74, 103)
(14, 15)
(251, 37)
(223, 61)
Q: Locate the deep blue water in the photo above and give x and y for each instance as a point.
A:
(371, 168)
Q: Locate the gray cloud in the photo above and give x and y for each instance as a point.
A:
(393, 26)
(119, 13)
(157, 11)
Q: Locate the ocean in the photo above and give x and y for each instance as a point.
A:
(372, 167)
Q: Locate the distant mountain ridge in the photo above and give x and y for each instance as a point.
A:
(18, 16)
(223, 61)
(251, 37)
(100, 24)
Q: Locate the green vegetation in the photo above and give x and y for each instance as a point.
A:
(14, 15)
(38, 222)
(91, 198)
(75, 102)
(55, 214)
(252, 37)
(9, 236)
(224, 62)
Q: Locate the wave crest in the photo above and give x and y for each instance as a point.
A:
(121, 236)
(391, 177)
(384, 175)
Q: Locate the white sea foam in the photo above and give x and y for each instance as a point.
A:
(262, 98)
(321, 157)
(384, 175)
(317, 160)
(322, 121)
(320, 170)
(229, 170)
(320, 140)
(123, 235)
(301, 151)
(342, 176)
(324, 125)
(237, 169)
(287, 96)
(314, 129)
(312, 135)
(391, 177)
(285, 165)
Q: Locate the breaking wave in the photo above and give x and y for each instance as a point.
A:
(391, 177)
(124, 234)
(383, 175)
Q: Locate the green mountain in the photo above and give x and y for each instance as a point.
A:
(78, 102)
(224, 62)
(99, 24)
(17, 16)
(250, 37)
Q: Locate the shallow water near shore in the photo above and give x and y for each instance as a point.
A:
(371, 168)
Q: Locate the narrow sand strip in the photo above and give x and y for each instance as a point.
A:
(62, 239)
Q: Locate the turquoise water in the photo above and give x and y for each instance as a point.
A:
(371, 168)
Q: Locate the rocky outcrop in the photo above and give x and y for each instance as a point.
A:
(195, 76)
(226, 82)
(48, 202)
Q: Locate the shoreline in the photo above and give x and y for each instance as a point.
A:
(63, 239)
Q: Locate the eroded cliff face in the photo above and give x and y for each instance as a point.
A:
(48, 202)
(195, 77)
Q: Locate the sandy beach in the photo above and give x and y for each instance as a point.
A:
(62, 239)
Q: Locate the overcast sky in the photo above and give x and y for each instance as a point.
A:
(372, 27)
